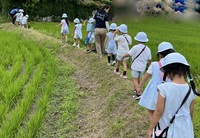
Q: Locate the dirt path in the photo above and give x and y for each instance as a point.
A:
(107, 109)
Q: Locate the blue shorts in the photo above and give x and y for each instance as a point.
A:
(119, 58)
(136, 74)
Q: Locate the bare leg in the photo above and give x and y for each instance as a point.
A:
(124, 64)
(135, 83)
(79, 41)
(118, 64)
(91, 46)
(65, 38)
(62, 37)
(74, 40)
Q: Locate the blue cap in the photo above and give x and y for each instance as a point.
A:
(113, 26)
(174, 58)
(164, 46)
(141, 37)
(77, 20)
(64, 15)
(123, 28)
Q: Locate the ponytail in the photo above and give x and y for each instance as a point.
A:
(165, 76)
(67, 21)
(192, 83)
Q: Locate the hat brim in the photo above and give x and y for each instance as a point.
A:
(147, 40)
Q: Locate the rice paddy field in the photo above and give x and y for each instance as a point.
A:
(29, 70)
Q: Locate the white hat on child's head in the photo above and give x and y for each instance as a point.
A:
(64, 15)
(77, 20)
(123, 28)
(113, 26)
(27, 15)
(174, 58)
(164, 46)
(91, 20)
(141, 37)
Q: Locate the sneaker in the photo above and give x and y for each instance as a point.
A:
(116, 72)
(108, 64)
(61, 42)
(88, 51)
(137, 96)
(123, 76)
(78, 46)
(114, 62)
(74, 44)
(66, 42)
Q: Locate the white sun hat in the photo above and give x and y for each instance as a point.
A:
(27, 15)
(141, 37)
(91, 20)
(64, 15)
(174, 58)
(22, 10)
(77, 20)
(123, 28)
(113, 26)
(164, 46)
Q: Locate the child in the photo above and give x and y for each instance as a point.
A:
(64, 29)
(170, 97)
(150, 95)
(21, 15)
(17, 17)
(110, 44)
(24, 21)
(140, 55)
(78, 32)
(90, 35)
(124, 40)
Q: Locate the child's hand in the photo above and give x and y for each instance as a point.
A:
(72, 34)
(122, 58)
(56, 25)
(104, 46)
(117, 30)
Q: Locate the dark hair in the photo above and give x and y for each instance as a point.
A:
(66, 21)
(104, 7)
(112, 29)
(181, 70)
(166, 52)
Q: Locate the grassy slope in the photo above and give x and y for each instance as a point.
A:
(106, 106)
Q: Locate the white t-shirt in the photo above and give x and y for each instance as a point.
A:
(124, 41)
(141, 61)
(24, 21)
(64, 25)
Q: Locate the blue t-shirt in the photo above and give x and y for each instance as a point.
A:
(101, 18)
(14, 11)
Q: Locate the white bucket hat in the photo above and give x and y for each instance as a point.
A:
(21, 10)
(123, 28)
(77, 20)
(113, 26)
(91, 20)
(141, 37)
(164, 46)
(174, 58)
(64, 15)
(27, 15)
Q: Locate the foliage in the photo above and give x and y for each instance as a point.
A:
(55, 8)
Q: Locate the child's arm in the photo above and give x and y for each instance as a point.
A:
(144, 80)
(117, 30)
(192, 108)
(127, 55)
(59, 24)
(83, 23)
(149, 61)
(157, 114)
(106, 40)
(73, 30)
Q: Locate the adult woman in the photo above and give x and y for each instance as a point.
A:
(102, 19)
(12, 14)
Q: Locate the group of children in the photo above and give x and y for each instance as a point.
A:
(21, 19)
(167, 86)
